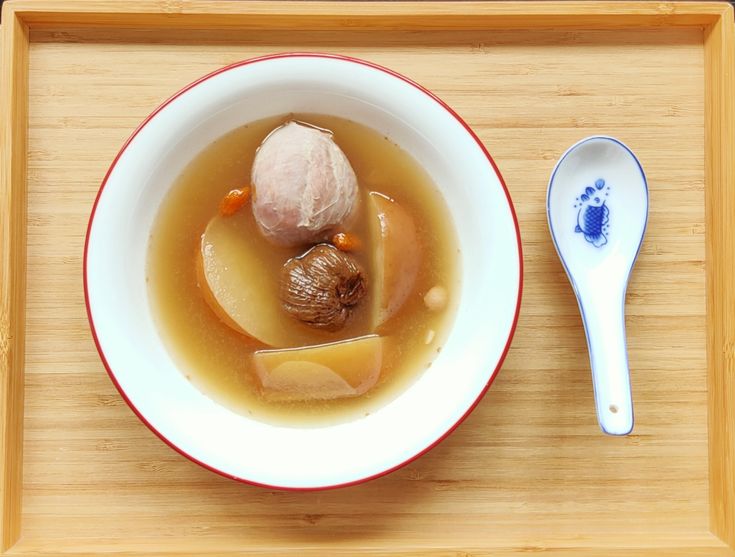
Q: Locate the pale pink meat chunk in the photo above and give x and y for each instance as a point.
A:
(303, 184)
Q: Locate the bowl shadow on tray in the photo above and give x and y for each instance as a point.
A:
(473, 470)
(499, 445)
(473, 460)
(359, 512)
(477, 469)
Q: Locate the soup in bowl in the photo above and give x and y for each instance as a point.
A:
(303, 271)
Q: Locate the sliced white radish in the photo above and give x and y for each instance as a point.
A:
(240, 287)
(327, 371)
(395, 258)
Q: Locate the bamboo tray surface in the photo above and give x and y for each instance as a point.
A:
(529, 471)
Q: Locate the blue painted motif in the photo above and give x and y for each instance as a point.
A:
(593, 217)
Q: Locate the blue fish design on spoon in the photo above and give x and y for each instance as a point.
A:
(594, 216)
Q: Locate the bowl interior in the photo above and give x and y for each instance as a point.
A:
(232, 444)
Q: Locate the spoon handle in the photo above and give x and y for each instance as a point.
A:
(604, 324)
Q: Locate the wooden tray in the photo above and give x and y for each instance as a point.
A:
(529, 471)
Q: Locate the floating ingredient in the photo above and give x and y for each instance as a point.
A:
(304, 185)
(233, 201)
(345, 241)
(239, 288)
(436, 298)
(320, 287)
(396, 256)
(337, 370)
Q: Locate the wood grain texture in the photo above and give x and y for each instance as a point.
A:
(661, 551)
(13, 101)
(720, 175)
(365, 15)
(530, 461)
(528, 471)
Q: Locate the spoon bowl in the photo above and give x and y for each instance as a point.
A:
(597, 207)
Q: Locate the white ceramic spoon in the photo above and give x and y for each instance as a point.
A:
(597, 206)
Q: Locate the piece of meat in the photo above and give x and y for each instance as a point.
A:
(303, 183)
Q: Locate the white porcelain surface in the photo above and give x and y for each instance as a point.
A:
(244, 448)
(597, 206)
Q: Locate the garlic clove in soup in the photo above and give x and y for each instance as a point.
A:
(304, 186)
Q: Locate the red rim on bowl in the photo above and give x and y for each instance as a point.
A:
(423, 90)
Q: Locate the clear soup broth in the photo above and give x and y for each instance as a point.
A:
(218, 359)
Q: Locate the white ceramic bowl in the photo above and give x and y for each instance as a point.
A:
(249, 450)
